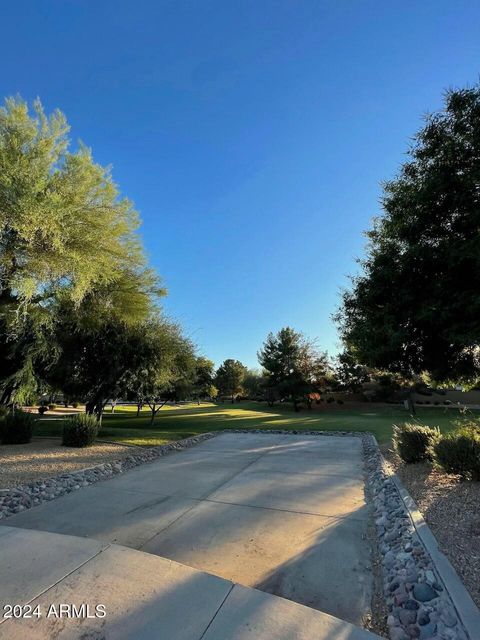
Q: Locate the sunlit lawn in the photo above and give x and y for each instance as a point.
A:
(174, 423)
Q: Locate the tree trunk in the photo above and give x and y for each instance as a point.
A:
(89, 407)
(155, 409)
(99, 411)
(139, 408)
(409, 404)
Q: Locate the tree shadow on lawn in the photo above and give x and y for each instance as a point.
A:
(181, 423)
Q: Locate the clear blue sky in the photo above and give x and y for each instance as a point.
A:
(252, 135)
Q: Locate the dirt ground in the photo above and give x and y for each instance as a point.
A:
(46, 457)
(451, 508)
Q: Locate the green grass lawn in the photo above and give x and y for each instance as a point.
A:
(174, 423)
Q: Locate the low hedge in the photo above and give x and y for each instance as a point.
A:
(80, 430)
(459, 452)
(414, 442)
(17, 428)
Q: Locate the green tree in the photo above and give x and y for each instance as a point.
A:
(204, 375)
(212, 392)
(93, 360)
(164, 365)
(253, 383)
(416, 305)
(295, 368)
(229, 378)
(66, 234)
(350, 375)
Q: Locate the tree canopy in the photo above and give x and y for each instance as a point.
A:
(63, 225)
(203, 377)
(294, 366)
(415, 307)
(70, 258)
(229, 378)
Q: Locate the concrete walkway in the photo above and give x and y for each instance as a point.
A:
(282, 513)
(143, 597)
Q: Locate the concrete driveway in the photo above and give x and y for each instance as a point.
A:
(283, 513)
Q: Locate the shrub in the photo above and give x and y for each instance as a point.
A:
(414, 443)
(330, 400)
(339, 401)
(80, 430)
(52, 406)
(3, 411)
(17, 428)
(75, 405)
(459, 452)
(42, 409)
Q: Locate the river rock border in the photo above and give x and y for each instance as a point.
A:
(418, 603)
(25, 496)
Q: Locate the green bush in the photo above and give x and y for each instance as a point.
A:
(42, 409)
(414, 443)
(17, 428)
(330, 400)
(459, 452)
(3, 411)
(52, 406)
(80, 430)
(75, 405)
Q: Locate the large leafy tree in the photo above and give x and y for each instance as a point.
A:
(203, 377)
(229, 378)
(65, 235)
(94, 360)
(102, 359)
(253, 383)
(350, 375)
(415, 307)
(165, 365)
(295, 368)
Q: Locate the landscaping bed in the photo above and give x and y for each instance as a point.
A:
(46, 457)
(451, 508)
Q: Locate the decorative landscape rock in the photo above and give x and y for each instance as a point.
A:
(423, 591)
(418, 604)
(25, 496)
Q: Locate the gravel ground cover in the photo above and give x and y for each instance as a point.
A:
(46, 457)
(451, 508)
